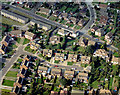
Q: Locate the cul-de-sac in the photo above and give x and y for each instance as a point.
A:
(60, 47)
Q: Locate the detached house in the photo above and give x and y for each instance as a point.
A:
(59, 56)
(103, 6)
(44, 11)
(99, 32)
(94, 28)
(64, 15)
(83, 77)
(69, 74)
(115, 60)
(103, 20)
(54, 40)
(83, 42)
(47, 52)
(56, 72)
(16, 33)
(29, 35)
(90, 42)
(108, 37)
(85, 59)
(73, 19)
(101, 53)
(34, 45)
(42, 70)
(63, 32)
(72, 58)
(82, 22)
(56, 13)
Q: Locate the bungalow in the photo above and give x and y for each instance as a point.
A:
(56, 72)
(42, 70)
(94, 28)
(34, 45)
(63, 32)
(90, 42)
(14, 16)
(29, 35)
(54, 40)
(115, 60)
(82, 22)
(47, 52)
(101, 53)
(83, 42)
(73, 19)
(99, 32)
(83, 77)
(85, 59)
(69, 74)
(40, 24)
(59, 56)
(44, 11)
(108, 37)
(103, 20)
(15, 33)
(72, 58)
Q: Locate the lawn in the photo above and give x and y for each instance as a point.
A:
(84, 65)
(5, 91)
(70, 24)
(111, 81)
(68, 10)
(16, 66)
(27, 48)
(10, 21)
(77, 27)
(63, 8)
(11, 52)
(11, 74)
(53, 18)
(18, 40)
(8, 83)
(19, 60)
(13, 46)
(27, 8)
(56, 61)
(70, 63)
(116, 54)
(95, 84)
(43, 15)
(63, 22)
(26, 41)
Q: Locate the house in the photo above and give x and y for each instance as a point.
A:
(4, 44)
(59, 56)
(103, 6)
(25, 64)
(90, 42)
(63, 32)
(29, 35)
(108, 37)
(83, 42)
(64, 15)
(16, 90)
(73, 19)
(15, 33)
(63, 92)
(54, 93)
(82, 22)
(14, 16)
(30, 5)
(40, 24)
(42, 70)
(56, 72)
(47, 52)
(56, 13)
(34, 45)
(68, 74)
(85, 59)
(115, 60)
(105, 92)
(44, 11)
(99, 32)
(83, 77)
(101, 53)
(54, 40)
(103, 20)
(94, 28)
(72, 58)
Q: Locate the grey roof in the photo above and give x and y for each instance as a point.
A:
(16, 15)
(41, 23)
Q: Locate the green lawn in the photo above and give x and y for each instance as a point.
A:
(70, 63)
(18, 40)
(70, 24)
(63, 22)
(63, 8)
(116, 54)
(68, 10)
(53, 18)
(95, 84)
(16, 66)
(27, 8)
(27, 48)
(56, 61)
(111, 81)
(8, 83)
(11, 52)
(12, 74)
(77, 27)
(43, 15)
(13, 46)
(5, 91)
(19, 60)
(26, 41)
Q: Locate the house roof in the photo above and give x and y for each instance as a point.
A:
(15, 15)
(72, 56)
(101, 52)
(64, 14)
(69, 72)
(90, 42)
(83, 74)
(55, 38)
(115, 59)
(16, 32)
(95, 27)
(63, 31)
(42, 68)
(110, 34)
(103, 5)
(103, 19)
(73, 19)
(59, 55)
(85, 58)
(44, 10)
(29, 34)
(55, 70)
(41, 23)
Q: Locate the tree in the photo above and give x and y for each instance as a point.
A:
(63, 82)
(35, 27)
(59, 46)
